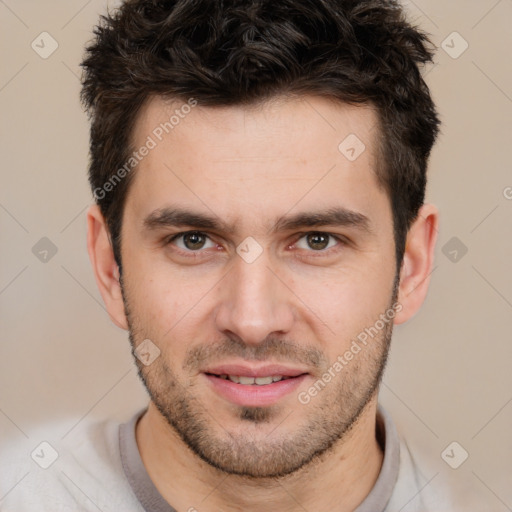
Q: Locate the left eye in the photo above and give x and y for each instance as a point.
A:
(316, 241)
(192, 241)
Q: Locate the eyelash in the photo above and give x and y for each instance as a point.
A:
(194, 254)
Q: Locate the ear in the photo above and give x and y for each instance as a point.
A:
(105, 267)
(418, 262)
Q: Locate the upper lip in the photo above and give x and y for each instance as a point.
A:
(242, 370)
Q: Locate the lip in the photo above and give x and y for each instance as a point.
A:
(251, 371)
(254, 395)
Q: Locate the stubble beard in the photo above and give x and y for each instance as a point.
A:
(247, 451)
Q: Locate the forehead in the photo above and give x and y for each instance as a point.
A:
(270, 158)
(322, 121)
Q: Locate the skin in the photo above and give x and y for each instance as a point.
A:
(298, 303)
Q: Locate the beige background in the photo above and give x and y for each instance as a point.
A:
(449, 375)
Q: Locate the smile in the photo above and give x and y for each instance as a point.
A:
(253, 391)
(249, 381)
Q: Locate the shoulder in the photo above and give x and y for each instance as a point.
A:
(427, 483)
(65, 465)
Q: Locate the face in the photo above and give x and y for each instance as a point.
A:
(253, 248)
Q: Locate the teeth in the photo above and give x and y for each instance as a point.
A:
(260, 381)
(263, 380)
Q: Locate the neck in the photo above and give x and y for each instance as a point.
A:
(338, 480)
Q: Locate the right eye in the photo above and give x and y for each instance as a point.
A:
(192, 241)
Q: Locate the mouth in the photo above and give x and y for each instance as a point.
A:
(252, 381)
(256, 387)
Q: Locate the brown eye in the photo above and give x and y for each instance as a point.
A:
(318, 241)
(194, 241)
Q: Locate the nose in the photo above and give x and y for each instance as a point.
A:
(254, 303)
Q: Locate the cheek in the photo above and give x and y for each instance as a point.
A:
(346, 303)
(166, 304)
(150, 296)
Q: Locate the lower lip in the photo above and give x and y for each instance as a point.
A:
(254, 395)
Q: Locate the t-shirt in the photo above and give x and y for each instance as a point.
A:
(99, 468)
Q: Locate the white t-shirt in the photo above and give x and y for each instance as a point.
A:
(98, 468)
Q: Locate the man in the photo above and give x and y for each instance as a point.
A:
(259, 172)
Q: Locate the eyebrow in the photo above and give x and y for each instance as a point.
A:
(332, 217)
(179, 217)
